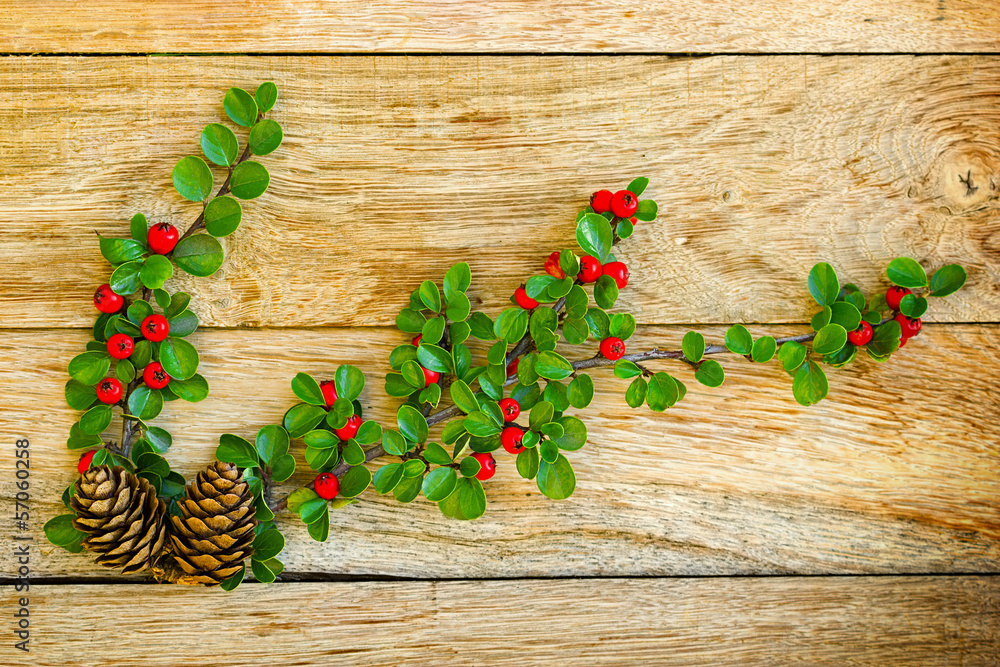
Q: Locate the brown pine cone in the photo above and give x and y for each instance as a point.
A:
(215, 533)
(122, 516)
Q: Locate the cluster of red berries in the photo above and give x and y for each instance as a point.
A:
(910, 326)
(120, 346)
(622, 204)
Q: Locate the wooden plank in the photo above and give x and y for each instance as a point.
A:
(394, 168)
(771, 621)
(213, 26)
(894, 473)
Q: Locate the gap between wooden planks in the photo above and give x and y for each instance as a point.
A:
(502, 25)
(894, 473)
(394, 168)
(746, 621)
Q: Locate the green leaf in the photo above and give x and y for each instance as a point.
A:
(594, 235)
(125, 279)
(219, 144)
(576, 303)
(693, 346)
(60, 531)
(79, 440)
(299, 497)
(240, 106)
(155, 271)
(222, 216)
(145, 403)
(458, 332)
(457, 280)
(823, 284)
(552, 366)
(570, 265)
(542, 413)
(439, 484)
(463, 397)
(710, 373)
(320, 530)
(556, 480)
(178, 304)
(179, 358)
(434, 358)
(159, 438)
(118, 251)
(353, 454)
(394, 443)
(265, 137)
(763, 349)
(885, 339)
(268, 544)
(606, 292)
(302, 418)
(635, 395)
(792, 355)
(96, 419)
(272, 443)
(414, 468)
(511, 324)
(481, 326)
(139, 310)
(307, 389)
(139, 228)
(575, 331)
(622, 325)
(626, 369)
(387, 477)
(580, 391)
(154, 463)
(322, 459)
(355, 481)
(647, 210)
(527, 463)
(912, 305)
(249, 180)
(638, 185)
(830, 339)
(234, 581)
(845, 314)
(430, 296)
(574, 433)
(200, 255)
(810, 385)
(80, 396)
(312, 510)
(349, 382)
(320, 439)
(266, 96)
(467, 502)
(459, 308)
(435, 453)
(412, 424)
(193, 178)
(432, 331)
(905, 272)
(947, 280)
(339, 413)
(480, 423)
(234, 449)
(192, 390)
(662, 392)
(739, 340)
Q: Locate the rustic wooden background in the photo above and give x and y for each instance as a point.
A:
(738, 528)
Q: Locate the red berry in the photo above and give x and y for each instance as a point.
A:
(84, 464)
(613, 348)
(162, 238)
(487, 466)
(155, 328)
(109, 390)
(618, 271)
(895, 295)
(590, 269)
(909, 325)
(522, 299)
(106, 301)
(861, 335)
(327, 485)
(512, 367)
(430, 377)
(120, 346)
(350, 429)
(634, 220)
(600, 201)
(624, 204)
(154, 376)
(902, 341)
(552, 266)
(416, 339)
(329, 392)
(510, 409)
(511, 438)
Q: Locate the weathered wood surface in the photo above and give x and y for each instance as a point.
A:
(747, 621)
(894, 473)
(393, 168)
(659, 26)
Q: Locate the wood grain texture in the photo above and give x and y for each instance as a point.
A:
(784, 621)
(894, 473)
(393, 168)
(609, 26)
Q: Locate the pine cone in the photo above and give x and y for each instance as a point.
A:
(216, 532)
(122, 516)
